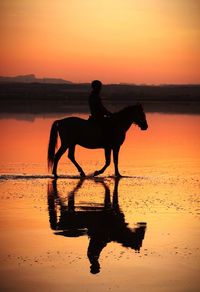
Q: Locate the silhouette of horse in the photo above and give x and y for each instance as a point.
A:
(103, 223)
(108, 134)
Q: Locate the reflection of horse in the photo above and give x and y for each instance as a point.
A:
(103, 224)
(109, 135)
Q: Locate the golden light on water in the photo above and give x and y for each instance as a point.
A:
(27, 141)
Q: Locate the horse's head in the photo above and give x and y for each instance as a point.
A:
(140, 117)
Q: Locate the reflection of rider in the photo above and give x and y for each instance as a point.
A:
(98, 111)
(98, 233)
(97, 243)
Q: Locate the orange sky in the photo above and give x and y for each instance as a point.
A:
(138, 41)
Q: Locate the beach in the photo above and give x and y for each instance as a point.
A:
(137, 233)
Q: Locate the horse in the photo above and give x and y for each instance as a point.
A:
(108, 134)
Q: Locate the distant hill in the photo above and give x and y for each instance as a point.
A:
(30, 78)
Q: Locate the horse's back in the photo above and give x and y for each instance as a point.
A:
(72, 121)
(71, 124)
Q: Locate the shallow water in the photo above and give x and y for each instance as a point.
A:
(138, 233)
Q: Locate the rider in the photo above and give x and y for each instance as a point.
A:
(98, 111)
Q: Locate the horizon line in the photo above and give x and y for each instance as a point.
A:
(88, 82)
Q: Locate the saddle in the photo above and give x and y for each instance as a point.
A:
(104, 124)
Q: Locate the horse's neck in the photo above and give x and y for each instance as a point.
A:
(125, 122)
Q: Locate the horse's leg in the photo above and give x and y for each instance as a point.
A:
(115, 202)
(57, 157)
(71, 196)
(115, 158)
(107, 200)
(107, 163)
(72, 158)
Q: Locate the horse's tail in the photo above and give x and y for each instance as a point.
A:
(52, 144)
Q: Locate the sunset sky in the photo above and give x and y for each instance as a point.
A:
(136, 41)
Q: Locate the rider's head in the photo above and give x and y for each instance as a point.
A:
(96, 85)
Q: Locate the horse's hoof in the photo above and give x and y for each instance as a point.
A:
(96, 173)
(82, 174)
(118, 175)
(55, 175)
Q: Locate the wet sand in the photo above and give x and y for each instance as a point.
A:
(35, 257)
(140, 233)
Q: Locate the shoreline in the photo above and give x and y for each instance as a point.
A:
(36, 98)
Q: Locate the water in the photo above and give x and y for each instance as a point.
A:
(138, 233)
